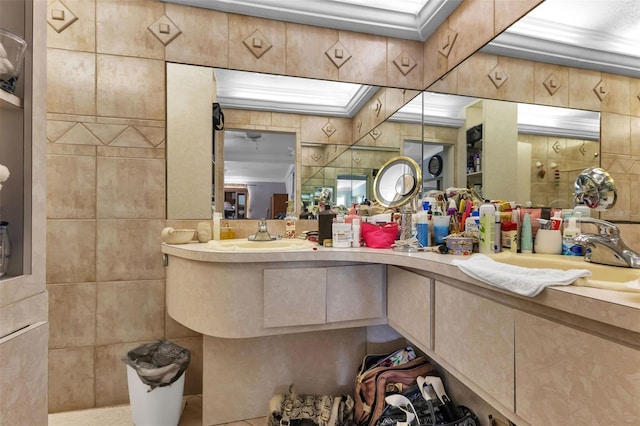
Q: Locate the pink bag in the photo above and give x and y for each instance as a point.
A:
(379, 236)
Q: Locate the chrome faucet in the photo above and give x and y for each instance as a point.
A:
(606, 247)
(262, 234)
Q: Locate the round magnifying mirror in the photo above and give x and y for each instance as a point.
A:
(397, 181)
(595, 188)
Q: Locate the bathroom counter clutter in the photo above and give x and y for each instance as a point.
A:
(595, 302)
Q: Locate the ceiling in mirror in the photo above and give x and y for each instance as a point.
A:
(266, 92)
(252, 156)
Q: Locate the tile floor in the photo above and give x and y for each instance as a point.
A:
(120, 415)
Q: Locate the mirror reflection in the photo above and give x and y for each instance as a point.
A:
(259, 174)
(529, 153)
(458, 141)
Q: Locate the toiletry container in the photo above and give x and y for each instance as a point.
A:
(526, 239)
(509, 234)
(341, 233)
(325, 220)
(440, 228)
(217, 216)
(472, 224)
(356, 232)
(548, 241)
(422, 228)
(290, 221)
(556, 220)
(487, 224)
(497, 229)
(571, 230)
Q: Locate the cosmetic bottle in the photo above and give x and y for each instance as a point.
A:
(355, 232)
(217, 216)
(487, 225)
(497, 238)
(571, 230)
(290, 221)
(526, 240)
(325, 220)
(422, 227)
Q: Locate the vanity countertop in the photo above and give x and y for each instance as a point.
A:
(614, 308)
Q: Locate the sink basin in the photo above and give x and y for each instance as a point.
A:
(244, 245)
(603, 276)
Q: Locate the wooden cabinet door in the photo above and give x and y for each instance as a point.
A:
(476, 336)
(355, 292)
(409, 305)
(292, 297)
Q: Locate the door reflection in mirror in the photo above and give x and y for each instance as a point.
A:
(264, 164)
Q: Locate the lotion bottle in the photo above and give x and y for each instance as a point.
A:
(216, 225)
(487, 225)
(571, 230)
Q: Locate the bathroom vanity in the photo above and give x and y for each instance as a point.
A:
(569, 356)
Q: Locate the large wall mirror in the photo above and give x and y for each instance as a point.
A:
(264, 164)
(542, 148)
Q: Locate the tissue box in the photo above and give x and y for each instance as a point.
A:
(460, 245)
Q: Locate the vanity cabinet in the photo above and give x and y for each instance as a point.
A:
(567, 376)
(527, 362)
(253, 299)
(323, 295)
(496, 149)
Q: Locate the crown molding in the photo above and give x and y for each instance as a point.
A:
(340, 15)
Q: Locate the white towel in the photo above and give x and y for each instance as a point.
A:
(524, 281)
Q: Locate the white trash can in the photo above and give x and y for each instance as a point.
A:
(160, 407)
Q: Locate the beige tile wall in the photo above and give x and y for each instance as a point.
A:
(105, 131)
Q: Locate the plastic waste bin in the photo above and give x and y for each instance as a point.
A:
(155, 375)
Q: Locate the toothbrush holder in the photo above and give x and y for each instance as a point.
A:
(548, 241)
